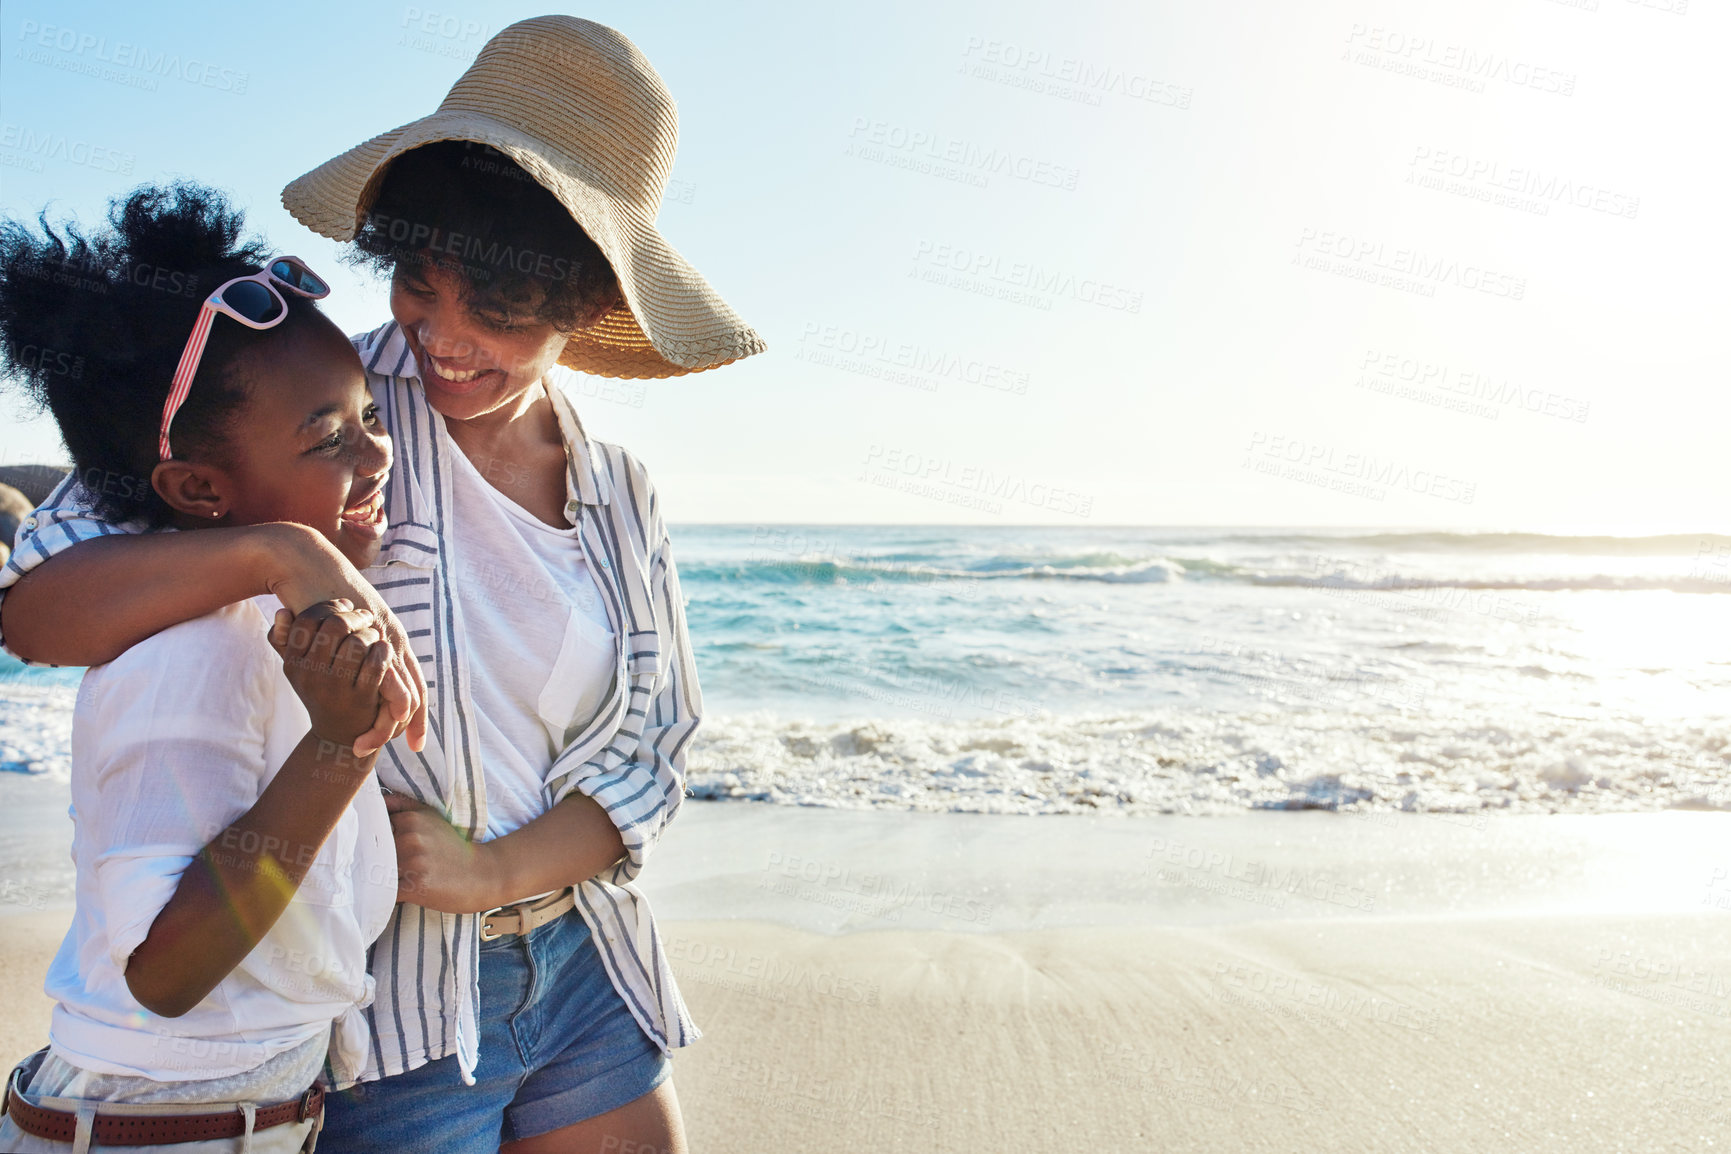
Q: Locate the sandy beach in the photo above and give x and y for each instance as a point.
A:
(1179, 1015)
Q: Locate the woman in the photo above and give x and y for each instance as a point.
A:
(531, 570)
(224, 831)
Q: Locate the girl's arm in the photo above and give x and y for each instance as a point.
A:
(239, 884)
(89, 603)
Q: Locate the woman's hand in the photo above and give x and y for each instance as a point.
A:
(441, 869)
(309, 569)
(438, 867)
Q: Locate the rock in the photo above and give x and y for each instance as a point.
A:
(34, 481)
(14, 507)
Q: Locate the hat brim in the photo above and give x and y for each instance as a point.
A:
(670, 323)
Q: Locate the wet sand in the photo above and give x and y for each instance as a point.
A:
(1285, 982)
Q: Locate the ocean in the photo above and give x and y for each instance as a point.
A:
(1048, 670)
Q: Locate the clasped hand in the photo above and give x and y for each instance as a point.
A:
(335, 658)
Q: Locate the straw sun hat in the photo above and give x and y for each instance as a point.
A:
(578, 107)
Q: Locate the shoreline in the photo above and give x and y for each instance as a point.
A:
(843, 871)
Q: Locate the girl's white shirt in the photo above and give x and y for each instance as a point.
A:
(171, 742)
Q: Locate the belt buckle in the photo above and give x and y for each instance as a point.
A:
(521, 909)
(306, 1104)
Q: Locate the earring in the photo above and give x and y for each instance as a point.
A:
(217, 514)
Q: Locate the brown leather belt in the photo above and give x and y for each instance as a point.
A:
(521, 917)
(156, 1129)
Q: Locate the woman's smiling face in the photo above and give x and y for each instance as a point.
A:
(472, 363)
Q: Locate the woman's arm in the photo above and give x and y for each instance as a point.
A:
(91, 602)
(239, 884)
(641, 791)
(605, 811)
(439, 868)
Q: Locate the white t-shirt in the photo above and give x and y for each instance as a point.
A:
(543, 654)
(172, 741)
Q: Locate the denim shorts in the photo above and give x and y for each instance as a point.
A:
(558, 1046)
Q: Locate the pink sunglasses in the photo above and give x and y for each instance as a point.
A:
(256, 301)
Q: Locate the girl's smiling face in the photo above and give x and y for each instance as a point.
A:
(307, 446)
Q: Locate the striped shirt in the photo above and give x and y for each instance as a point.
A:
(630, 757)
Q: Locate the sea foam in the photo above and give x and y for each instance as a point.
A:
(1178, 762)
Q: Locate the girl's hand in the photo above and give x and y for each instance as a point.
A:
(437, 866)
(334, 658)
(315, 571)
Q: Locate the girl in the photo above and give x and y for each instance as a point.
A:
(524, 994)
(232, 851)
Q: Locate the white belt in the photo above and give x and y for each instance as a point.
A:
(521, 917)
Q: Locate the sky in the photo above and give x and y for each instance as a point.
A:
(1250, 262)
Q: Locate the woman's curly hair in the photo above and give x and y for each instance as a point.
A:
(92, 325)
(470, 209)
